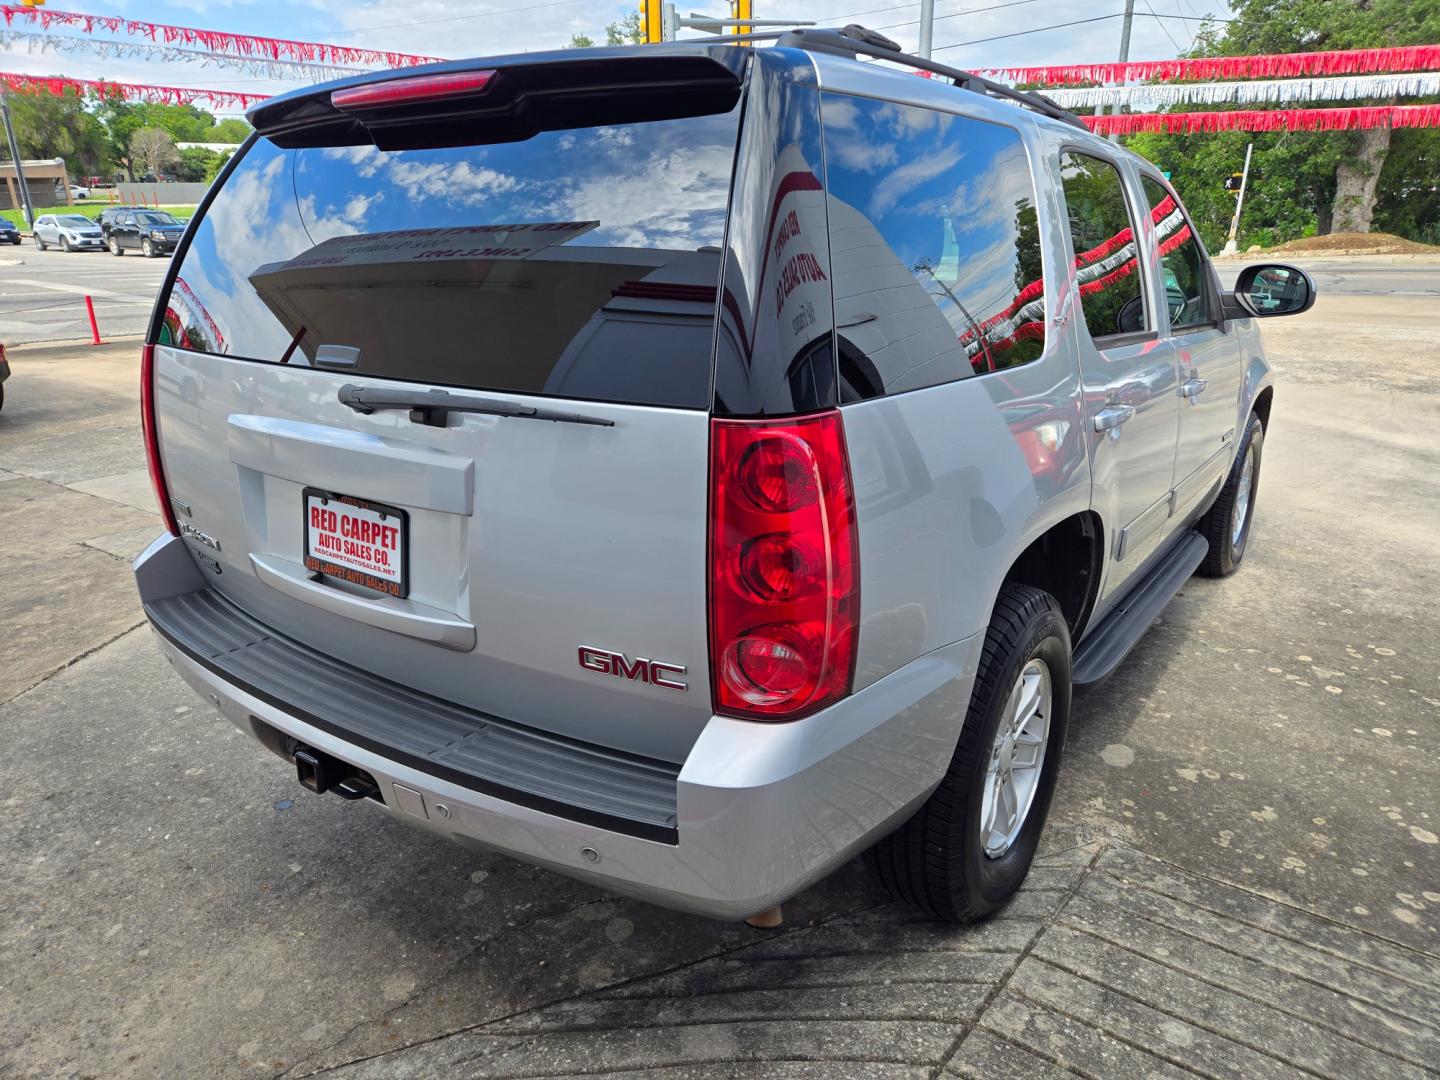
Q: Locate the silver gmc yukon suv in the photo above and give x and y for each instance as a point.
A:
(688, 467)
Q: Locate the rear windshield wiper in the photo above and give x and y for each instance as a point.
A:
(432, 406)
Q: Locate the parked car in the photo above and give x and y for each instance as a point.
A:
(69, 232)
(78, 192)
(636, 490)
(9, 231)
(153, 232)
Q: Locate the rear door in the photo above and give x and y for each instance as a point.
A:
(539, 551)
(1127, 368)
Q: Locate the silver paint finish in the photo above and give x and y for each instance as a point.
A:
(538, 536)
(764, 809)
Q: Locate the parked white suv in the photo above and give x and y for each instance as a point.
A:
(689, 467)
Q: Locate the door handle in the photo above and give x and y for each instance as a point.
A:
(1192, 388)
(1109, 419)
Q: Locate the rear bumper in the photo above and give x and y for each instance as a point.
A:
(760, 810)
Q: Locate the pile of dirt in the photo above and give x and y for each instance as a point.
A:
(1352, 243)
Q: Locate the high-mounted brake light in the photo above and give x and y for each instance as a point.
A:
(408, 91)
(152, 438)
(784, 566)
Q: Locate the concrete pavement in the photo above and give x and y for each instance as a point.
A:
(1241, 877)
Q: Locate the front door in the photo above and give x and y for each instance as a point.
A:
(1209, 356)
(1128, 369)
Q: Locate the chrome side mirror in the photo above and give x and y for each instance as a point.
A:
(1270, 289)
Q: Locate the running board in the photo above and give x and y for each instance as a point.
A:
(1102, 650)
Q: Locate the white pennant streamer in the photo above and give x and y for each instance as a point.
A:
(292, 70)
(1151, 97)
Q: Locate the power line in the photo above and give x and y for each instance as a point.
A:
(957, 14)
(1163, 28)
(1059, 26)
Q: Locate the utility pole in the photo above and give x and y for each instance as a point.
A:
(15, 157)
(927, 27)
(1124, 49)
(1231, 247)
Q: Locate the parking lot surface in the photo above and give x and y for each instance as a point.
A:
(42, 293)
(1241, 877)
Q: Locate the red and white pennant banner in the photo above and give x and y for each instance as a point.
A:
(214, 40)
(164, 95)
(1275, 66)
(1152, 96)
(170, 54)
(1380, 116)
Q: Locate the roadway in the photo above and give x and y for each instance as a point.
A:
(42, 293)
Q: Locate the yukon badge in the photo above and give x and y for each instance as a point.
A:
(605, 662)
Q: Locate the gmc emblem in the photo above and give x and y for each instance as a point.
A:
(653, 672)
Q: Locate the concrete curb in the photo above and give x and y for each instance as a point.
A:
(51, 349)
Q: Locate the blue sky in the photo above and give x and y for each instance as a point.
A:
(453, 28)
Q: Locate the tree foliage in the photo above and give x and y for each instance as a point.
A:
(627, 30)
(152, 151)
(1293, 177)
(58, 125)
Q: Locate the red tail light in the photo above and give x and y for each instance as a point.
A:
(784, 574)
(152, 437)
(409, 91)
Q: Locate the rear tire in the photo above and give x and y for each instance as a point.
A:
(40, 243)
(938, 860)
(1226, 525)
(115, 248)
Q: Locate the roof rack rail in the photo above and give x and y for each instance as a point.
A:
(855, 39)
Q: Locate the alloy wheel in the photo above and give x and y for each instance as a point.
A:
(1016, 759)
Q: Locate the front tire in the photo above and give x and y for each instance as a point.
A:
(1226, 525)
(967, 849)
(147, 249)
(65, 244)
(39, 243)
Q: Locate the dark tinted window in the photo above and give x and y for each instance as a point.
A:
(934, 244)
(578, 263)
(1103, 237)
(1182, 264)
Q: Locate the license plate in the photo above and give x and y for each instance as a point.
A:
(358, 541)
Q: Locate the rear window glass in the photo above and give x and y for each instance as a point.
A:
(580, 263)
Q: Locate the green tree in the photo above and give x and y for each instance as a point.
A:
(623, 31)
(213, 170)
(197, 163)
(229, 130)
(57, 125)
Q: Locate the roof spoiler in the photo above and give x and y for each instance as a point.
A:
(506, 98)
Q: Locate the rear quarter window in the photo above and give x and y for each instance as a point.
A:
(580, 263)
(935, 246)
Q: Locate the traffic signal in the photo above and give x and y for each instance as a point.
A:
(32, 3)
(1232, 182)
(652, 16)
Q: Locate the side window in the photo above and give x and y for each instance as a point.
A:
(1103, 237)
(934, 246)
(1182, 264)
